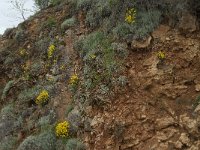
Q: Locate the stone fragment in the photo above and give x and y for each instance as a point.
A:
(184, 139)
(141, 44)
(164, 123)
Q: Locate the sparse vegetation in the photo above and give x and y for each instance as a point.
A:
(76, 57)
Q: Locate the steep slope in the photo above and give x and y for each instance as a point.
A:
(117, 76)
(157, 109)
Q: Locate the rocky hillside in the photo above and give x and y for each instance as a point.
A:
(102, 75)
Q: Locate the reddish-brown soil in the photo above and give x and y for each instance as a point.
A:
(148, 114)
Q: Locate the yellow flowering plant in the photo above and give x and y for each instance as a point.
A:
(130, 15)
(22, 52)
(161, 55)
(62, 129)
(73, 79)
(51, 51)
(93, 56)
(42, 97)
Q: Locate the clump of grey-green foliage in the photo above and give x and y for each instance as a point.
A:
(68, 23)
(8, 143)
(43, 141)
(84, 4)
(74, 144)
(29, 94)
(7, 88)
(7, 111)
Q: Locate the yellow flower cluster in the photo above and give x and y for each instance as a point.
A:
(51, 50)
(62, 129)
(25, 67)
(93, 56)
(130, 15)
(22, 52)
(161, 55)
(73, 80)
(42, 97)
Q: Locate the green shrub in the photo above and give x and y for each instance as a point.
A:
(146, 22)
(7, 111)
(9, 60)
(97, 13)
(55, 2)
(20, 35)
(74, 144)
(69, 108)
(41, 47)
(29, 94)
(68, 23)
(7, 88)
(42, 3)
(8, 143)
(49, 23)
(7, 32)
(37, 68)
(45, 122)
(84, 4)
(43, 141)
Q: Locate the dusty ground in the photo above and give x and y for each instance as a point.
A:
(156, 109)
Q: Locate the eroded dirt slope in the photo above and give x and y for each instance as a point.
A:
(156, 110)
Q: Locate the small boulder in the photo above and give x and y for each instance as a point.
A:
(141, 44)
(164, 122)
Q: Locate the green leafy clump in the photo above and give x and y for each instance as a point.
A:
(28, 94)
(42, 4)
(49, 23)
(7, 88)
(7, 111)
(145, 23)
(74, 144)
(41, 46)
(45, 122)
(98, 13)
(8, 143)
(43, 141)
(68, 23)
(84, 4)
